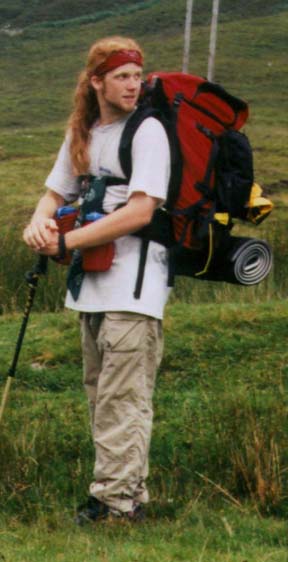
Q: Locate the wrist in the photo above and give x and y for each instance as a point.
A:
(68, 242)
(62, 249)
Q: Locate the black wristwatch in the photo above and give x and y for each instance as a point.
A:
(62, 250)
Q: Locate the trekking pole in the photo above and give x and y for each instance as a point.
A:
(32, 278)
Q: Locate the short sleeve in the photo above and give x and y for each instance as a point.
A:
(61, 178)
(150, 160)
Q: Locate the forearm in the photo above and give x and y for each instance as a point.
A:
(130, 218)
(47, 206)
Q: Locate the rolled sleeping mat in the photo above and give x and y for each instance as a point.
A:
(251, 260)
(241, 261)
(245, 261)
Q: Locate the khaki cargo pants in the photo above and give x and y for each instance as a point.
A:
(121, 353)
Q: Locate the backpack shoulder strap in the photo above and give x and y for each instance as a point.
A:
(133, 123)
(125, 156)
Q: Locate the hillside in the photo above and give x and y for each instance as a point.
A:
(18, 14)
(250, 59)
(38, 72)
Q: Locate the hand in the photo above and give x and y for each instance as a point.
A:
(51, 248)
(40, 233)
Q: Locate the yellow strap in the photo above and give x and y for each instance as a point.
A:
(209, 253)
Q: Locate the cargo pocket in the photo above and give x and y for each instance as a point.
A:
(124, 332)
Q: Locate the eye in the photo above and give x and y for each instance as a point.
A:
(122, 77)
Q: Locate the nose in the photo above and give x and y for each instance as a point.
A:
(133, 82)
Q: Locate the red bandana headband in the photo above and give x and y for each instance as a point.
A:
(118, 58)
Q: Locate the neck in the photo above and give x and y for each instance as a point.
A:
(109, 112)
(107, 117)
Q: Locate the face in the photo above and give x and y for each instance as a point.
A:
(119, 90)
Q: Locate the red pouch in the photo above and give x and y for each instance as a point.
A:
(66, 223)
(99, 258)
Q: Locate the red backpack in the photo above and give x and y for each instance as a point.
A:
(211, 169)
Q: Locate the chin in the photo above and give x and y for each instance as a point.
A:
(131, 109)
(129, 105)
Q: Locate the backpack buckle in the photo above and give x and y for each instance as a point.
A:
(179, 97)
(207, 132)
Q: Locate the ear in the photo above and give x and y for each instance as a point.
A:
(96, 83)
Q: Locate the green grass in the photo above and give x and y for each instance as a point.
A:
(220, 408)
(52, 60)
(61, 11)
(198, 535)
(219, 459)
(64, 12)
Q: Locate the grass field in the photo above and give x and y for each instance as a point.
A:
(199, 535)
(219, 449)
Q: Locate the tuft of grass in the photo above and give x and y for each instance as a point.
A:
(198, 534)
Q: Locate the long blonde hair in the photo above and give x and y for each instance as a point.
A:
(86, 109)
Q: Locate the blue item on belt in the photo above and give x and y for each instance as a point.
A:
(93, 216)
(62, 211)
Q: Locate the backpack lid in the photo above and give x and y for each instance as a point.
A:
(230, 111)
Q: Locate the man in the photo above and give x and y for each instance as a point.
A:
(121, 335)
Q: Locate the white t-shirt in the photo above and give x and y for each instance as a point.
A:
(113, 290)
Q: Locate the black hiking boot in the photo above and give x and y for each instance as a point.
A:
(92, 510)
(135, 515)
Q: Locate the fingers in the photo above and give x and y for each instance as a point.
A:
(52, 248)
(38, 234)
(51, 223)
